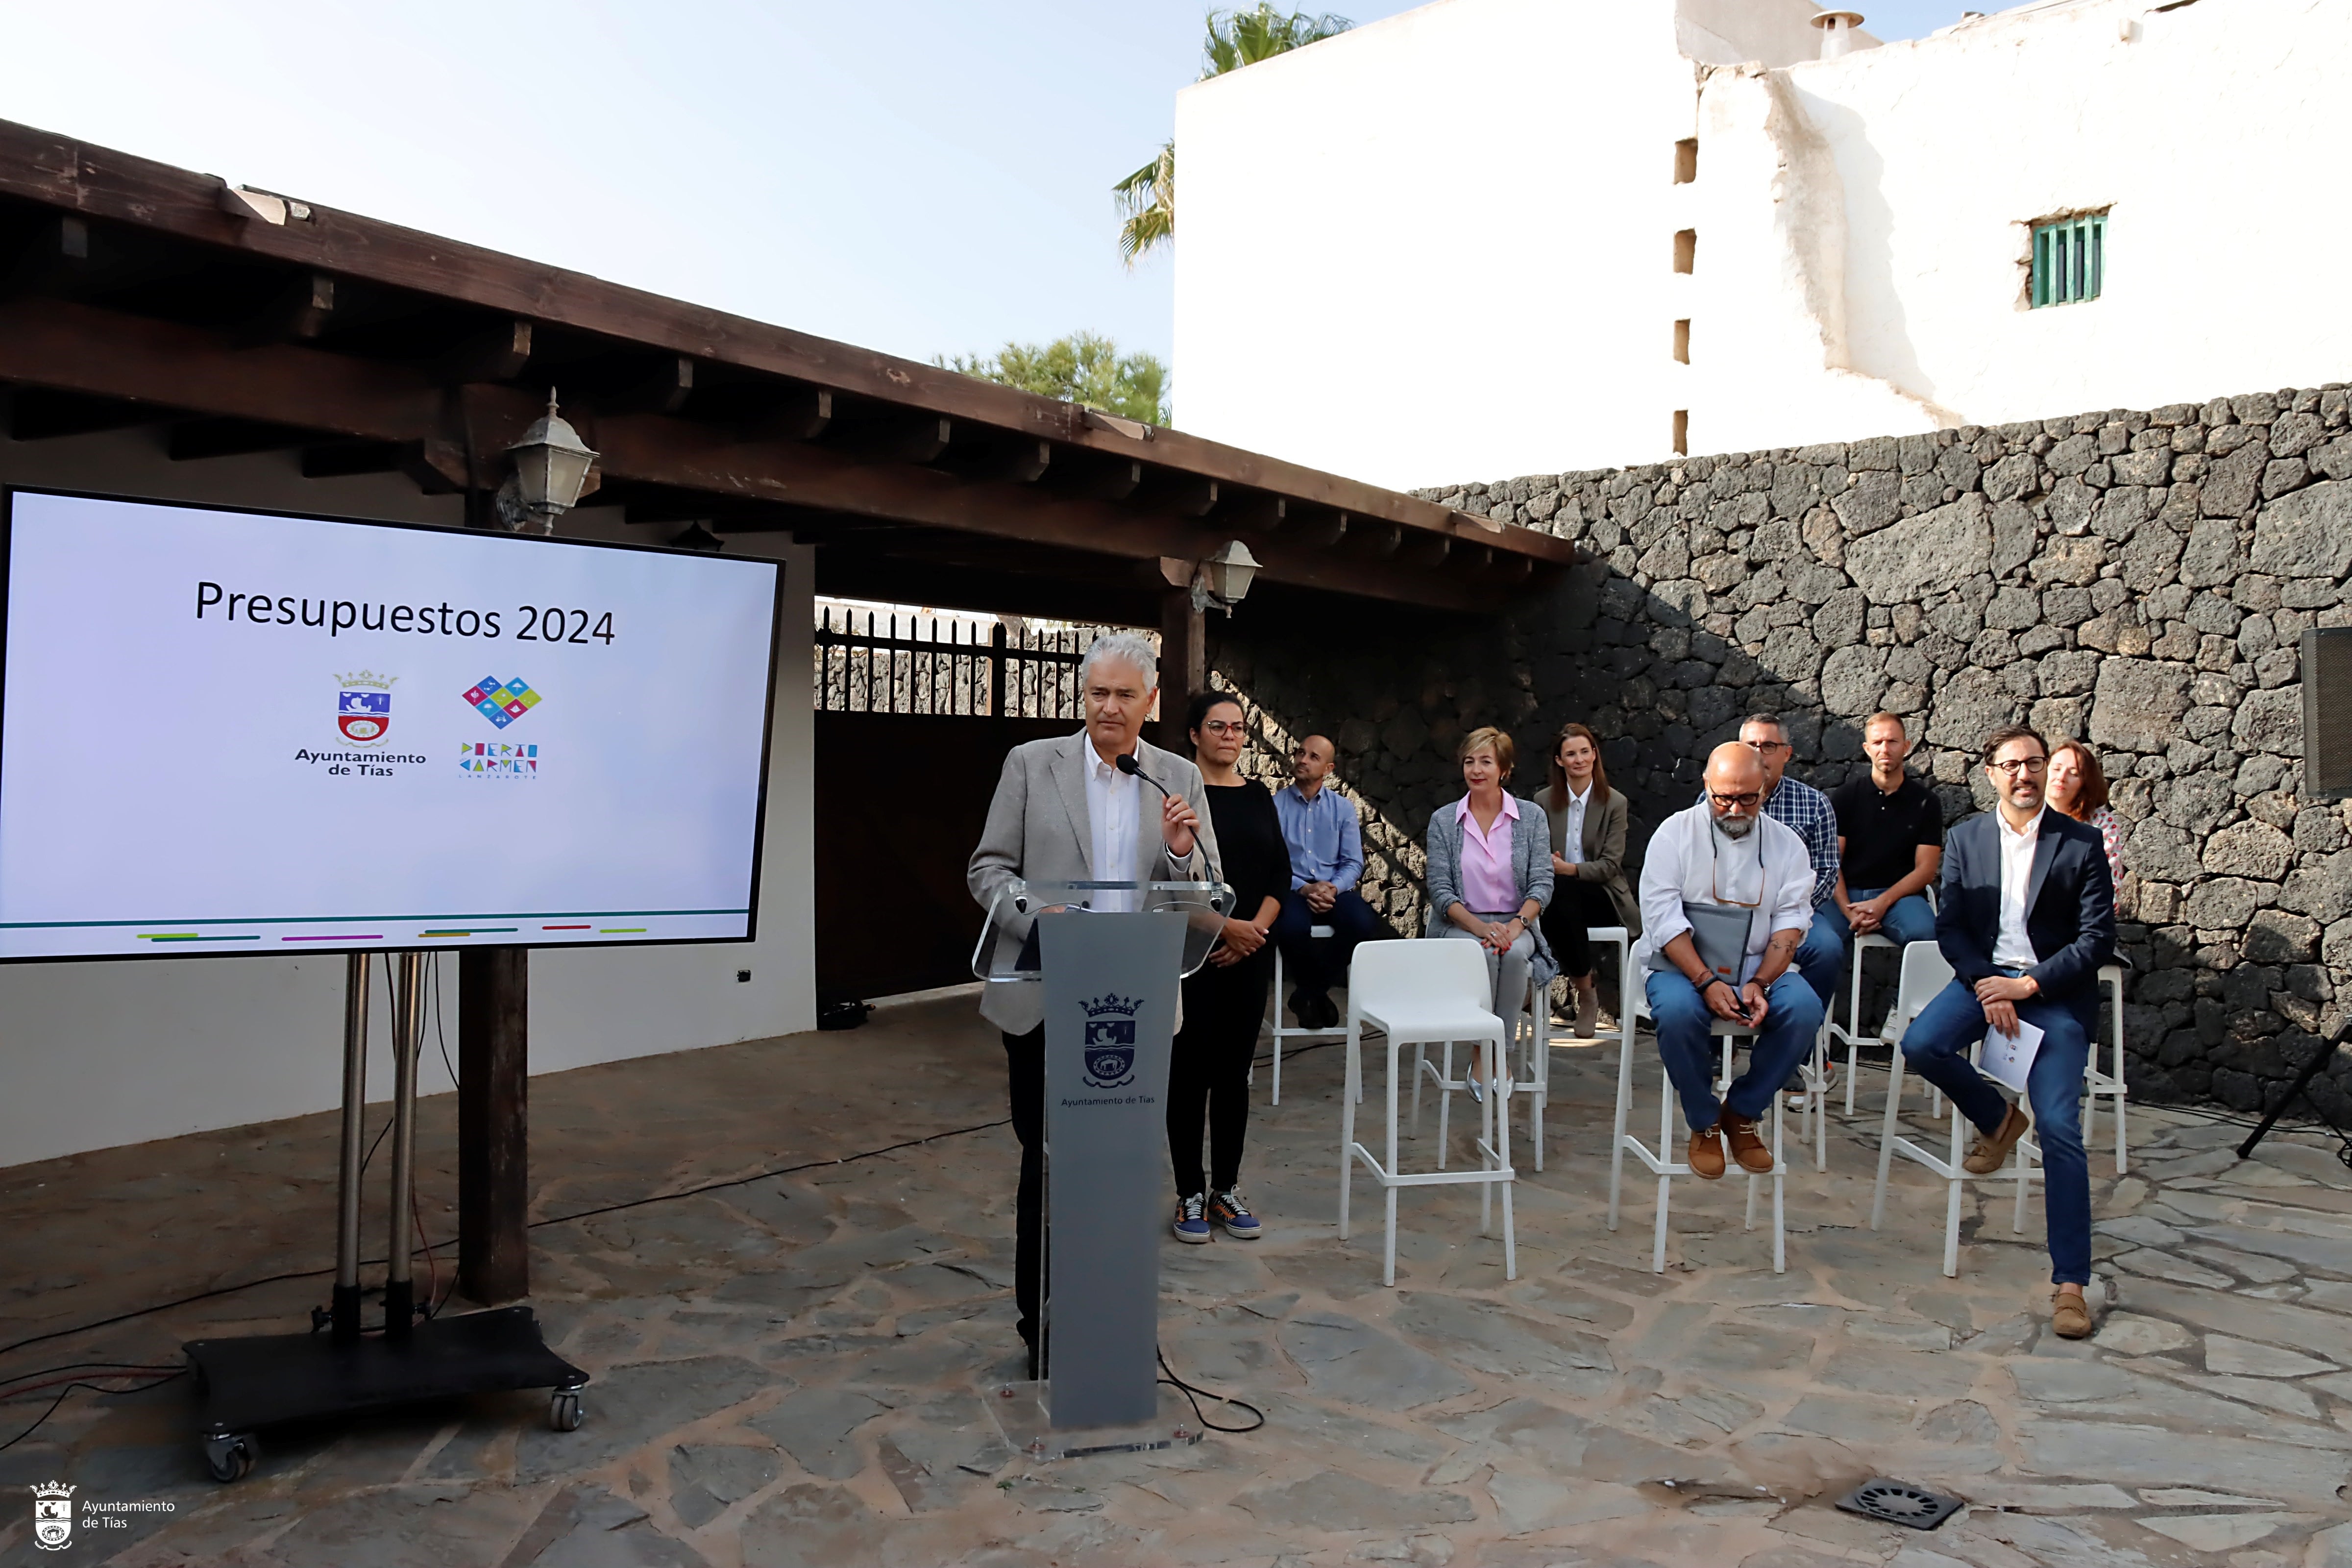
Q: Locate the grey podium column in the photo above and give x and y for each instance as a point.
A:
(1111, 985)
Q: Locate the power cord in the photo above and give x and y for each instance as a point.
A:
(78, 1380)
(1193, 1396)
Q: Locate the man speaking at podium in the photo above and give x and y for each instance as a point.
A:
(1065, 812)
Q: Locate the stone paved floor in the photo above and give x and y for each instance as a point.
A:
(791, 1371)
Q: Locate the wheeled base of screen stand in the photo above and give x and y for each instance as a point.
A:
(246, 1384)
(336, 1369)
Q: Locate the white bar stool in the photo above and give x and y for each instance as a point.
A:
(1924, 973)
(1429, 991)
(1538, 1088)
(1530, 1043)
(2096, 1083)
(1851, 1032)
(1660, 1163)
(1292, 1032)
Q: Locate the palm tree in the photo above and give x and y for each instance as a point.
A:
(1147, 198)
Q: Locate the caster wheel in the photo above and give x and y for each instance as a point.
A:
(230, 1458)
(563, 1412)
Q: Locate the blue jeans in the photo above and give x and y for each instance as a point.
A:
(1936, 1045)
(1910, 920)
(1316, 967)
(1689, 1051)
(1821, 957)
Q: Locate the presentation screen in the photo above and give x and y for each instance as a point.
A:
(231, 731)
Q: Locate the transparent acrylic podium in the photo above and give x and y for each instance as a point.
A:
(1110, 957)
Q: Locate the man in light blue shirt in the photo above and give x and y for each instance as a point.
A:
(1326, 861)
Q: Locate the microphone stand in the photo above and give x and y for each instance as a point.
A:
(2319, 1058)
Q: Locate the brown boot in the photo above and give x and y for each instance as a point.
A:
(1746, 1147)
(2070, 1315)
(1991, 1151)
(1706, 1156)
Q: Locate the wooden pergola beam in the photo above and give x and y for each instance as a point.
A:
(461, 432)
(91, 181)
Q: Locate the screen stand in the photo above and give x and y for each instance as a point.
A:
(247, 1384)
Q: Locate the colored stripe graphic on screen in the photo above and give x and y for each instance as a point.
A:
(567, 928)
(478, 931)
(365, 936)
(192, 936)
(622, 931)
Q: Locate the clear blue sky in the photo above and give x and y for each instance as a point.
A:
(919, 176)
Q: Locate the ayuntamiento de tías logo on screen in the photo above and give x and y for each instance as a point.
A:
(363, 718)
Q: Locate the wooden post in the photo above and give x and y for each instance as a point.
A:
(1183, 665)
(493, 1123)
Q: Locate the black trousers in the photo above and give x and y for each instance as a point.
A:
(1024, 1076)
(1207, 1075)
(1576, 905)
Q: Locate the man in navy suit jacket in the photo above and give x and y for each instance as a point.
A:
(2026, 917)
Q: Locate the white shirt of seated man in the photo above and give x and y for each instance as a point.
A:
(1725, 851)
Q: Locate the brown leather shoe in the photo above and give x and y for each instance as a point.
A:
(2070, 1315)
(1746, 1147)
(1706, 1156)
(1991, 1151)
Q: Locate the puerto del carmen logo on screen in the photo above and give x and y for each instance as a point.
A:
(364, 706)
(501, 701)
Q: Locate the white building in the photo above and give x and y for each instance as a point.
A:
(1488, 238)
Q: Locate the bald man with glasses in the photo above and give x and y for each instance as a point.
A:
(1726, 897)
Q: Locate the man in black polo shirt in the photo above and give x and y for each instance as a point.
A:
(1890, 843)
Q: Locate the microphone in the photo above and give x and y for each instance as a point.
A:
(1128, 764)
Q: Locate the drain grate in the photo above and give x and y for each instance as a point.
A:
(1900, 1502)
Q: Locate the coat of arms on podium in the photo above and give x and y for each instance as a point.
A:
(1110, 1041)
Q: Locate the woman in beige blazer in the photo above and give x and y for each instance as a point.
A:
(1588, 864)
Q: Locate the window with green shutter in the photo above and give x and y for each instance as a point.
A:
(2069, 260)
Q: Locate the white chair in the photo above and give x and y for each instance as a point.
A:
(1538, 1087)
(1430, 992)
(1850, 1031)
(1530, 1044)
(1660, 1163)
(1924, 973)
(1292, 1032)
(2094, 1082)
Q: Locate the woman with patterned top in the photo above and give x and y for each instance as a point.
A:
(2078, 787)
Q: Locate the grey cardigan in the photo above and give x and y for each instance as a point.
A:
(1530, 863)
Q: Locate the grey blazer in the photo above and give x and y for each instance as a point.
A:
(1038, 830)
(1530, 862)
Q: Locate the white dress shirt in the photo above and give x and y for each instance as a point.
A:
(2011, 948)
(1114, 804)
(1571, 848)
(1690, 859)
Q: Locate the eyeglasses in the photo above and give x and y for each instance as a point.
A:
(1224, 726)
(2016, 765)
(1771, 745)
(1747, 802)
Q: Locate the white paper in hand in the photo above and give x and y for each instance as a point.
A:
(2007, 1058)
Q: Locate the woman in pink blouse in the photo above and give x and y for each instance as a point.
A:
(2078, 787)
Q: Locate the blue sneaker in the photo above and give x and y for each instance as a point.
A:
(1191, 1221)
(1227, 1209)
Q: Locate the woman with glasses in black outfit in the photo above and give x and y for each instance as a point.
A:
(1225, 1003)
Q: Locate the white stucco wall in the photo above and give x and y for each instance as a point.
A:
(94, 1054)
(2204, 130)
(1403, 251)
(1438, 247)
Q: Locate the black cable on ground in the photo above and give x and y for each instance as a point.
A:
(1193, 1396)
(70, 1387)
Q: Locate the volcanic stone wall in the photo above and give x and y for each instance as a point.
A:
(2137, 579)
